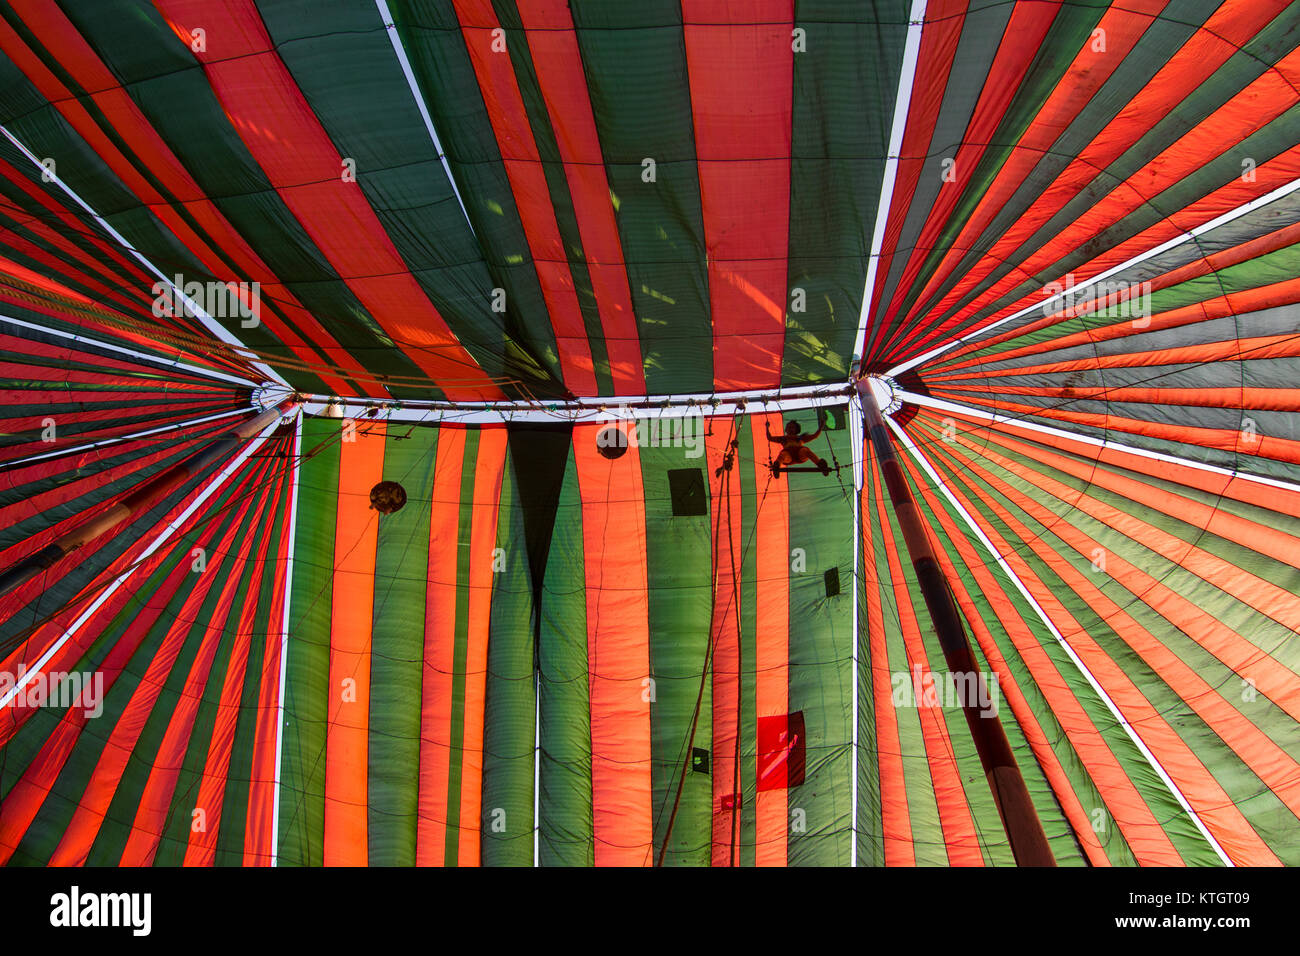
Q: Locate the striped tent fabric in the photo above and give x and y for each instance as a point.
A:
(540, 616)
(422, 368)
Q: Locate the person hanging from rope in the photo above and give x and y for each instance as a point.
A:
(794, 450)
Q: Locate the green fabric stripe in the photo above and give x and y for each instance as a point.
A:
(567, 829)
(678, 579)
(397, 650)
(821, 676)
(509, 716)
(870, 829)
(845, 83)
(307, 668)
(634, 56)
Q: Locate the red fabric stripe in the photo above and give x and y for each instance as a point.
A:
(741, 67)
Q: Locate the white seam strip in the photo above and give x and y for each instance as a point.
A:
(857, 442)
(589, 409)
(1060, 639)
(284, 639)
(400, 50)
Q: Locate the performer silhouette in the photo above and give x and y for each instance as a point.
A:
(793, 448)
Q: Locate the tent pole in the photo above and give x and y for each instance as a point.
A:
(139, 500)
(1019, 818)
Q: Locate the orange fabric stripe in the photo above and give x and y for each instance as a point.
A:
(724, 630)
(771, 631)
(361, 467)
(439, 649)
(618, 648)
(487, 499)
